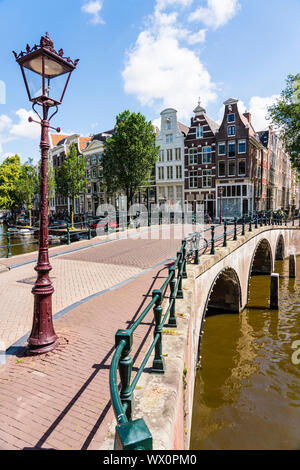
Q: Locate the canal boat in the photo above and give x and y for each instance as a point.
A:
(24, 232)
(13, 230)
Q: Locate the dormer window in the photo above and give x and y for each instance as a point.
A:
(169, 138)
(169, 124)
(231, 117)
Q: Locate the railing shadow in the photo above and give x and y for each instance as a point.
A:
(98, 367)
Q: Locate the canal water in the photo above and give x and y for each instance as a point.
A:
(247, 391)
(19, 243)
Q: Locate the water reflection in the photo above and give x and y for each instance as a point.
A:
(19, 244)
(247, 393)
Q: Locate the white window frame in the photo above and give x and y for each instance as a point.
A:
(161, 173)
(231, 135)
(169, 172)
(169, 155)
(230, 114)
(178, 152)
(193, 152)
(230, 163)
(222, 154)
(221, 161)
(178, 171)
(242, 142)
(206, 175)
(169, 138)
(241, 160)
(205, 153)
(233, 142)
(199, 132)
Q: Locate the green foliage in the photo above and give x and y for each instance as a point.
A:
(285, 115)
(70, 178)
(129, 155)
(28, 184)
(10, 175)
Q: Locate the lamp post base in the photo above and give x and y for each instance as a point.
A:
(37, 350)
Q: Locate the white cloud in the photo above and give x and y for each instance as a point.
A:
(24, 128)
(217, 13)
(10, 131)
(93, 8)
(160, 70)
(258, 108)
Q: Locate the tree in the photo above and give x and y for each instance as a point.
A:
(70, 179)
(27, 186)
(129, 155)
(10, 175)
(285, 115)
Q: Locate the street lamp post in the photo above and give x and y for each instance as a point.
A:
(221, 189)
(44, 70)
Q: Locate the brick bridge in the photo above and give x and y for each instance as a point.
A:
(221, 281)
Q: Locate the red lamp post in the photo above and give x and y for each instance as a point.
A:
(45, 72)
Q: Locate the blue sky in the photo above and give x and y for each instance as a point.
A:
(145, 55)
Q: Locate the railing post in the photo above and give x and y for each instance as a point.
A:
(90, 232)
(225, 234)
(158, 366)
(212, 251)
(179, 277)
(285, 220)
(184, 273)
(261, 221)
(197, 259)
(265, 220)
(293, 221)
(68, 235)
(256, 221)
(250, 223)
(243, 227)
(235, 230)
(125, 369)
(8, 245)
(172, 318)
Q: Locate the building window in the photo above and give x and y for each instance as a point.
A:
(199, 132)
(206, 179)
(94, 172)
(161, 173)
(206, 155)
(178, 154)
(193, 156)
(242, 146)
(169, 155)
(169, 124)
(222, 148)
(193, 179)
(231, 117)
(242, 167)
(88, 162)
(231, 130)
(231, 168)
(169, 138)
(161, 193)
(178, 172)
(222, 171)
(244, 190)
(94, 159)
(161, 157)
(100, 172)
(231, 149)
(95, 188)
(178, 193)
(169, 172)
(170, 193)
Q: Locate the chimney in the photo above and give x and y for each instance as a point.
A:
(248, 116)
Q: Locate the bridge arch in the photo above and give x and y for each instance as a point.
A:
(280, 248)
(225, 295)
(261, 262)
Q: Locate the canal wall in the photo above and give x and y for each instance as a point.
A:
(165, 402)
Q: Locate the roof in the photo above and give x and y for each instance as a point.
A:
(183, 128)
(212, 124)
(83, 142)
(56, 139)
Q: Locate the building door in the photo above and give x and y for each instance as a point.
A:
(245, 206)
(210, 208)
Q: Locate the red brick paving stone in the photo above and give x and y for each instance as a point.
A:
(71, 402)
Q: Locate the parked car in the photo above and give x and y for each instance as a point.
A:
(105, 224)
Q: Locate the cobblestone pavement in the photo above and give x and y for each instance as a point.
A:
(61, 400)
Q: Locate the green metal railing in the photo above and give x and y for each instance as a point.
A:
(134, 434)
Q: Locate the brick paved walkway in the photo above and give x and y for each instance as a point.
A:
(61, 400)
